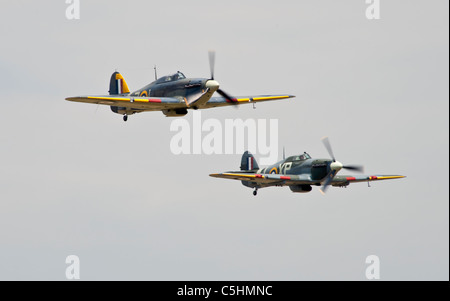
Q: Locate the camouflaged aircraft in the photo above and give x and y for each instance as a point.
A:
(174, 95)
(300, 173)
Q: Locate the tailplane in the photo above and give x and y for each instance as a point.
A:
(118, 85)
(248, 162)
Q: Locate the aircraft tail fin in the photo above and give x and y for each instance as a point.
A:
(118, 85)
(248, 162)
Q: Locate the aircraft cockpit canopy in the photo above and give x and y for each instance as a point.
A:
(171, 78)
(303, 157)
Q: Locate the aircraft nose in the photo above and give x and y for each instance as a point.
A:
(212, 85)
(336, 166)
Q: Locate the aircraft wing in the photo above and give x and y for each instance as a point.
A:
(266, 179)
(127, 101)
(345, 180)
(218, 101)
(303, 179)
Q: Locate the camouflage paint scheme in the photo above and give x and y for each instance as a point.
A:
(300, 173)
(174, 95)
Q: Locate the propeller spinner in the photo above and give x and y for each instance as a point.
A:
(335, 166)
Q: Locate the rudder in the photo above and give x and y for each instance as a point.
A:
(118, 85)
(248, 162)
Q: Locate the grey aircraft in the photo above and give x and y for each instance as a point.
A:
(174, 95)
(300, 173)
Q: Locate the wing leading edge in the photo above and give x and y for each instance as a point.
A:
(218, 101)
(345, 180)
(142, 103)
(285, 180)
(160, 103)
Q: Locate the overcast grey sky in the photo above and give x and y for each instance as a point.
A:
(76, 179)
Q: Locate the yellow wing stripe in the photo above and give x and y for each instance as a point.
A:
(109, 98)
(262, 98)
(120, 99)
(141, 100)
(387, 177)
(272, 97)
(243, 175)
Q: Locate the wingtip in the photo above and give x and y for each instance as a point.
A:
(393, 177)
(397, 177)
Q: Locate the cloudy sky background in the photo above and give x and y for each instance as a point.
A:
(76, 179)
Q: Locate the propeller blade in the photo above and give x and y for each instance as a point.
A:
(327, 144)
(335, 166)
(212, 62)
(226, 95)
(327, 181)
(358, 168)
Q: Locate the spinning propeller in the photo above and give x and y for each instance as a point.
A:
(212, 82)
(335, 166)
